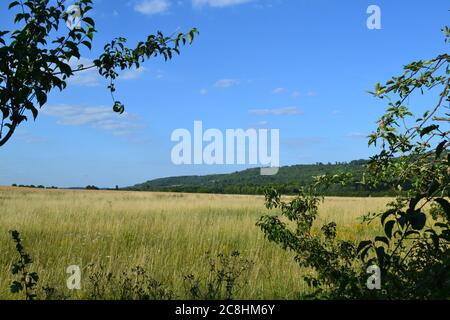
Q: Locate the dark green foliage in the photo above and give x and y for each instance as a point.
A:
(331, 259)
(134, 285)
(223, 281)
(413, 253)
(34, 58)
(289, 180)
(33, 186)
(27, 280)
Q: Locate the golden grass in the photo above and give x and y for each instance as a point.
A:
(165, 233)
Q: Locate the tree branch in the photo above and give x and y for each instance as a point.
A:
(5, 139)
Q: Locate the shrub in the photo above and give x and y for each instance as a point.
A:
(27, 280)
(225, 278)
(413, 253)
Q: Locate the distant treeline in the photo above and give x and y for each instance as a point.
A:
(32, 186)
(89, 187)
(288, 181)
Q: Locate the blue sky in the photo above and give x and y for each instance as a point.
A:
(304, 66)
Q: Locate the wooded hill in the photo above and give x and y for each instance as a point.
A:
(288, 181)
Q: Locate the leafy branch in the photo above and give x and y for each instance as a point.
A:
(36, 58)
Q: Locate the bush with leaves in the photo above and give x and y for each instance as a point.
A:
(134, 285)
(27, 281)
(413, 254)
(226, 276)
(36, 57)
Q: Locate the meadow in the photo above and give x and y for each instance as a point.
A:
(167, 234)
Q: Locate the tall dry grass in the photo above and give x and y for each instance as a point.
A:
(167, 234)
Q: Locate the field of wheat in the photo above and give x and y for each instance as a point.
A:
(167, 234)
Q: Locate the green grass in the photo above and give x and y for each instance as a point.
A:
(167, 234)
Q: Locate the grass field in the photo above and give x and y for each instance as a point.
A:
(167, 234)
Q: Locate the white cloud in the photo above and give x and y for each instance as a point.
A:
(226, 83)
(296, 94)
(279, 90)
(218, 3)
(132, 74)
(203, 92)
(288, 111)
(103, 118)
(151, 7)
(88, 78)
(91, 77)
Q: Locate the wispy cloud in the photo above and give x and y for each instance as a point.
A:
(99, 117)
(26, 137)
(260, 125)
(152, 7)
(132, 74)
(279, 90)
(288, 111)
(218, 3)
(88, 78)
(91, 77)
(226, 83)
(203, 92)
(296, 94)
(357, 135)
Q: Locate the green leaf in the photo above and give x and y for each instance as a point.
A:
(65, 68)
(89, 21)
(34, 111)
(380, 255)
(428, 129)
(34, 276)
(414, 201)
(5, 112)
(13, 4)
(445, 205)
(41, 97)
(440, 148)
(382, 239)
(417, 219)
(87, 44)
(363, 244)
(412, 232)
(434, 186)
(386, 214)
(190, 37)
(16, 287)
(388, 228)
(364, 252)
